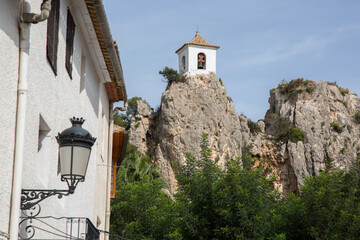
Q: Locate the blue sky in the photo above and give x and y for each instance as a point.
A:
(261, 43)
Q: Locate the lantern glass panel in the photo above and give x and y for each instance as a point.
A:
(65, 161)
(80, 161)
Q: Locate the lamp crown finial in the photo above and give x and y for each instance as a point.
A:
(75, 120)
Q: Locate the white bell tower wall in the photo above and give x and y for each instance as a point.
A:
(188, 59)
(184, 60)
(210, 58)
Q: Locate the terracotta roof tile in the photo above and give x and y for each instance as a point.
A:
(198, 40)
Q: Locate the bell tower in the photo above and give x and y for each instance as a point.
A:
(197, 56)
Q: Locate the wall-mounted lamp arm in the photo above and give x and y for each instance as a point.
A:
(31, 197)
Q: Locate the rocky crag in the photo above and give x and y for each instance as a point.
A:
(310, 127)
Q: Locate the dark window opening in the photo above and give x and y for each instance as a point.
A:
(70, 33)
(183, 62)
(201, 61)
(53, 34)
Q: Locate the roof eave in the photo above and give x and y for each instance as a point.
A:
(116, 89)
(203, 45)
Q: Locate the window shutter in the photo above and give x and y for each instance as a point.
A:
(53, 34)
(113, 179)
(70, 33)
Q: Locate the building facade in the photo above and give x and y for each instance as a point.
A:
(55, 64)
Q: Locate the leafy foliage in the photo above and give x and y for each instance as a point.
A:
(254, 128)
(331, 205)
(337, 128)
(120, 119)
(282, 127)
(357, 116)
(140, 209)
(136, 167)
(233, 203)
(283, 130)
(124, 120)
(236, 202)
(296, 86)
(171, 76)
(296, 134)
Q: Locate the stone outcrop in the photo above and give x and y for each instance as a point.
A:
(140, 126)
(188, 109)
(322, 112)
(326, 114)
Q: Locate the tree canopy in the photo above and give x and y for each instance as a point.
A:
(124, 120)
(237, 202)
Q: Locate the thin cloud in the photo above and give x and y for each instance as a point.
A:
(310, 43)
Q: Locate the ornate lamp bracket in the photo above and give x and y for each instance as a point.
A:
(31, 197)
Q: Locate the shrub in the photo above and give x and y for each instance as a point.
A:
(328, 163)
(336, 127)
(283, 85)
(343, 150)
(309, 89)
(171, 75)
(124, 120)
(221, 82)
(282, 128)
(296, 86)
(357, 116)
(343, 91)
(254, 128)
(296, 134)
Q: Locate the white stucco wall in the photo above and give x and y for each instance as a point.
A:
(102, 161)
(191, 52)
(9, 52)
(56, 98)
(184, 53)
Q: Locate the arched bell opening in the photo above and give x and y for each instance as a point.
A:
(183, 63)
(201, 61)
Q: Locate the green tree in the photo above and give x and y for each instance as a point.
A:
(171, 76)
(136, 167)
(332, 205)
(124, 120)
(237, 202)
(233, 203)
(328, 207)
(197, 180)
(120, 119)
(140, 209)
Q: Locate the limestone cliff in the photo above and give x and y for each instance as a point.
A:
(310, 127)
(327, 114)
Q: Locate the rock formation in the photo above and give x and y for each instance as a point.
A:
(326, 113)
(310, 127)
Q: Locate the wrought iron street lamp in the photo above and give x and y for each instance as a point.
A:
(74, 152)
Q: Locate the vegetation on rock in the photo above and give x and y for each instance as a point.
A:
(357, 116)
(336, 127)
(171, 76)
(296, 135)
(254, 128)
(296, 86)
(283, 130)
(124, 120)
(343, 91)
